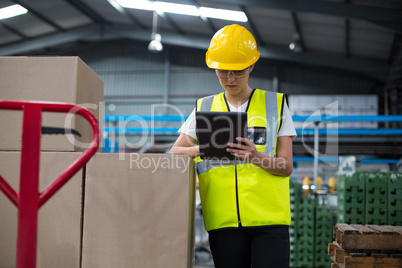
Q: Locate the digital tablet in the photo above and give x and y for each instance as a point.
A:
(216, 129)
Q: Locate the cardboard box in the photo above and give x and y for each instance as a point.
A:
(139, 211)
(60, 79)
(59, 220)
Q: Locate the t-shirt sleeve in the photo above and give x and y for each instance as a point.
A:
(287, 127)
(189, 126)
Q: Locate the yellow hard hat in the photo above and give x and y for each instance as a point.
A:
(319, 181)
(306, 181)
(232, 48)
(332, 182)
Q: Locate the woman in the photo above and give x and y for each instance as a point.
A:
(245, 203)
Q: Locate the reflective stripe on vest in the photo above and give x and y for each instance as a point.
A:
(231, 191)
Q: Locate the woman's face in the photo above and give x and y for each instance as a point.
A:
(234, 81)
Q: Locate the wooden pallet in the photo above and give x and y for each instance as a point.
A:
(358, 246)
(342, 259)
(369, 237)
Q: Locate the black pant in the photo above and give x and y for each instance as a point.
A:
(258, 247)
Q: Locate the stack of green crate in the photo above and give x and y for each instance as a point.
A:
(395, 199)
(376, 198)
(295, 195)
(323, 234)
(351, 196)
(305, 233)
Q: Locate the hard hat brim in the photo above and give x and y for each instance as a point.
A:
(231, 66)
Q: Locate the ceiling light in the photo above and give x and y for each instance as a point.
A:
(12, 11)
(189, 10)
(296, 45)
(176, 8)
(156, 45)
(223, 14)
(138, 4)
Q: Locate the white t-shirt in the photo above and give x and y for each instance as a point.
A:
(287, 127)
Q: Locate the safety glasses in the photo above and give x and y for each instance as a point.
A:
(236, 74)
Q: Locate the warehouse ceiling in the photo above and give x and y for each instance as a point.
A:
(358, 36)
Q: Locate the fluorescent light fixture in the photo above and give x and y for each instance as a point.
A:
(137, 4)
(12, 11)
(189, 10)
(223, 14)
(176, 8)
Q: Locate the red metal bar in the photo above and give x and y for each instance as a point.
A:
(28, 200)
(77, 164)
(29, 185)
(8, 191)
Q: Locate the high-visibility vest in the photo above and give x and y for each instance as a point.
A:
(237, 193)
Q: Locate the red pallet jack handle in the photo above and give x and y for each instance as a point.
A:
(29, 200)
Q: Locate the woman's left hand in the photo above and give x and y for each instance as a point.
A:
(246, 151)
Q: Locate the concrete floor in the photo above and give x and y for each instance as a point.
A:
(203, 260)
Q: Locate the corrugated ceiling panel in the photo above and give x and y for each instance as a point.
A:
(188, 57)
(61, 14)
(127, 68)
(7, 36)
(370, 41)
(107, 11)
(323, 33)
(144, 16)
(382, 3)
(306, 81)
(274, 26)
(194, 82)
(30, 25)
(191, 25)
(6, 3)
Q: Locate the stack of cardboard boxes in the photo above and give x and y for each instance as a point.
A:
(121, 210)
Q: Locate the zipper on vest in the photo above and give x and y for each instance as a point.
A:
(237, 196)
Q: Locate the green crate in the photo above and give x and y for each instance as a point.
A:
(351, 196)
(376, 198)
(395, 199)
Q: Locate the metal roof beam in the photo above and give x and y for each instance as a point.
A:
(169, 20)
(387, 17)
(124, 12)
(296, 24)
(252, 25)
(38, 15)
(347, 38)
(89, 12)
(347, 35)
(14, 31)
(395, 46)
(370, 69)
(205, 19)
